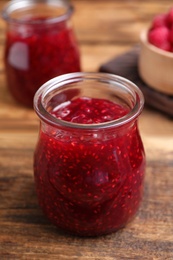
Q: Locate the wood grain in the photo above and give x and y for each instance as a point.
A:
(104, 29)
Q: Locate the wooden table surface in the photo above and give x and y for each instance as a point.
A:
(104, 29)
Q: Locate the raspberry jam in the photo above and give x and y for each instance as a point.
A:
(40, 44)
(89, 161)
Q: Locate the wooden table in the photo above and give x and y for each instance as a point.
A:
(104, 29)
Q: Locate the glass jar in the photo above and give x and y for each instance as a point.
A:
(89, 176)
(40, 44)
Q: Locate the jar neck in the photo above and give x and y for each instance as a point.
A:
(33, 12)
(100, 85)
(87, 135)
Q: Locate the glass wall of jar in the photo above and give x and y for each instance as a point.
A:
(89, 161)
(40, 44)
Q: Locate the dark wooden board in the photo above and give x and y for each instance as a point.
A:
(126, 65)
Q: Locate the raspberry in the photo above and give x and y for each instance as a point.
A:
(169, 18)
(159, 21)
(171, 35)
(160, 37)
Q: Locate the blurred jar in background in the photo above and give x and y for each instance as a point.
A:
(40, 44)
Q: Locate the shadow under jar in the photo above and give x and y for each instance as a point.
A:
(89, 161)
(40, 44)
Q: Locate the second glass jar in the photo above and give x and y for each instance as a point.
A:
(40, 44)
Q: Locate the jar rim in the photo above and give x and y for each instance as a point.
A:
(19, 4)
(44, 115)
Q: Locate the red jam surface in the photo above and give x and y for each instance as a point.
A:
(89, 183)
(36, 53)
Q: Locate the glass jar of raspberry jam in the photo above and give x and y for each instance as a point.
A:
(89, 161)
(40, 45)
